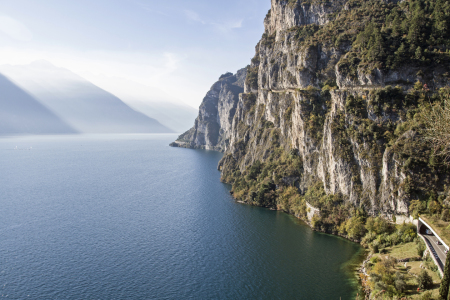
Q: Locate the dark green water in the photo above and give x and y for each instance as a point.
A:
(127, 217)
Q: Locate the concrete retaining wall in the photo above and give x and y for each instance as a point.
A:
(311, 211)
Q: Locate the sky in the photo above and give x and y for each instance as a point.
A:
(178, 46)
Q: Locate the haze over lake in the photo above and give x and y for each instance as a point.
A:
(127, 217)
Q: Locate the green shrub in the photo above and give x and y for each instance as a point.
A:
(420, 248)
(424, 280)
(427, 296)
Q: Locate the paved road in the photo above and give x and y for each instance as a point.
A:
(438, 249)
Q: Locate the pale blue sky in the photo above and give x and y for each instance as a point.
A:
(179, 46)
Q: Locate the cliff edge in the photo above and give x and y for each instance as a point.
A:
(214, 122)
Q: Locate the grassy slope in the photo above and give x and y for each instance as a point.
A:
(411, 268)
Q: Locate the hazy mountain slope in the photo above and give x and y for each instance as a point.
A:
(20, 113)
(149, 100)
(83, 105)
(179, 118)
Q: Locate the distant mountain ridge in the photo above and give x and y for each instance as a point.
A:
(20, 113)
(151, 101)
(84, 106)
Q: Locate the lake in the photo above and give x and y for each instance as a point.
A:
(128, 217)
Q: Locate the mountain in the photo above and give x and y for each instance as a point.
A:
(151, 101)
(20, 113)
(331, 113)
(84, 106)
(216, 114)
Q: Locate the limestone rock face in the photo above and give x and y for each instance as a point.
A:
(287, 14)
(216, 114)
(403, 76)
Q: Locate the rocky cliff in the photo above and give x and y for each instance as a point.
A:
(331, 106)
(214, 122)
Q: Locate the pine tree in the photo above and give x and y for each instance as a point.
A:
(396, 26)
(376, 43)
(416, 27)
(441, 18)
(418, 53)
(443, 289)
(400, 55)
(424, 280)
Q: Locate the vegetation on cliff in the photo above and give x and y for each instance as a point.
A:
(272, 183)
(397, 34)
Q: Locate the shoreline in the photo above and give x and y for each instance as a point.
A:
(356, 264)
(357, 272)
(355, 267)
(364, 257)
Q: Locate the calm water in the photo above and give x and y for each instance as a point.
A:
(127, 217)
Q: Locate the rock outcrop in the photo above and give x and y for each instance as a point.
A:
(214, 122)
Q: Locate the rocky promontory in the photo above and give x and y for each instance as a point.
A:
(214, 122)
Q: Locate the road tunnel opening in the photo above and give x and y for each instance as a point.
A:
(424, 230)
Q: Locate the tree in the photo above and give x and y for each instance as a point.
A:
(377, 225)
(375, 247)
(316, 221)
(441, 20)
(437, 122)
(396, 26)
(445, 282)
(424, 280)
(418, 53)
(445, 216)
(420, 248)
(427, 296)
(400, 284)
(376, 50)
(383, 276)
(434, 207)
(416, 207)
(355, 227)
(370, 224)
(415, 26)
(418, 86)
